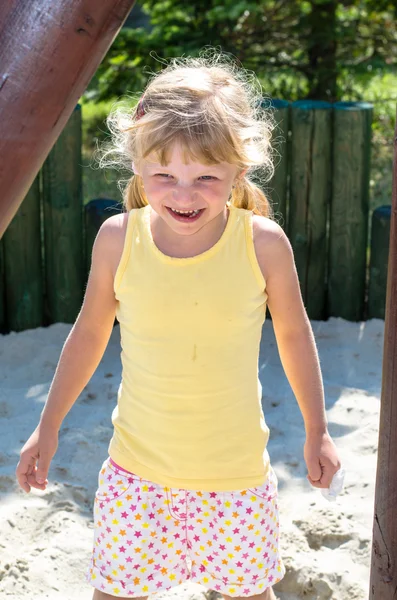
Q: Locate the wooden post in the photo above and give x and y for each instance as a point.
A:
(63, 224)
(310, 184)
(278, 185)
(49, 51)
(380, 242)
(23, 265)
(3, 327)
(349, 210)
(383, 581)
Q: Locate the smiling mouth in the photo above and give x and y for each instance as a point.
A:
(186, 213)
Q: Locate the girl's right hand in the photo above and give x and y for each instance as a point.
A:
(41, 447)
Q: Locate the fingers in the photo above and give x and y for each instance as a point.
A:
(316, 470)
(321, 472)
(32, 481)
(23, 483)
(43, 467)
(316, 484)
(26, 482)
(26, 474)
(24, 467)
(323, 482)
(41, 474)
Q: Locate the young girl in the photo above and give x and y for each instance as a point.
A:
(188, 491)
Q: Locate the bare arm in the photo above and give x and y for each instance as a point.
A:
(297, 348)
(80, 356)
(293, 331)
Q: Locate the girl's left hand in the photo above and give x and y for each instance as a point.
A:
(321, 458)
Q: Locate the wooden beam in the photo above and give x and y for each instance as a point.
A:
(49, 51)
(383, 581)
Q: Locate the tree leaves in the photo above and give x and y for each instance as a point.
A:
(320, 41)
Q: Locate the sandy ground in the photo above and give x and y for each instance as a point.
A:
(46, 537)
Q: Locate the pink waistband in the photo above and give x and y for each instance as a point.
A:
(121, 468)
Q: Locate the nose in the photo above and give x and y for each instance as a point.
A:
(184, 194)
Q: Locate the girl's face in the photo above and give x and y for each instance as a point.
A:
(200, 190)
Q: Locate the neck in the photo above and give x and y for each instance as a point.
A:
(172, 243)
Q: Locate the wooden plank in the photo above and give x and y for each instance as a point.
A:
(23, 265)
(63, 225)
(3, 327)
(349, 209)
(310, 184)
(383, 580)
(380, 242)
(49, 51)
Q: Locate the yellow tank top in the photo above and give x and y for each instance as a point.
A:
(189, 411)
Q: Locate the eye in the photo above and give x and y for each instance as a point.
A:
(204, 177)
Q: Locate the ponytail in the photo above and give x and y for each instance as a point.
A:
(134, 194)
(248, 195)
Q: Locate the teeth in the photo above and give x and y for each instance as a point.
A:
(185, 212)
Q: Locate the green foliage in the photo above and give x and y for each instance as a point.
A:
(94, 121)
(317, 44)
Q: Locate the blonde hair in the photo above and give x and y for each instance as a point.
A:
(210, 106)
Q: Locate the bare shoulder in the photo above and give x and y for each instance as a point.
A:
(110, 239)
(115, 226)
(270, 243)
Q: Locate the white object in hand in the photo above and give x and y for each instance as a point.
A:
(335, 487)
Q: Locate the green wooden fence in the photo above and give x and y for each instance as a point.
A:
(319, 193)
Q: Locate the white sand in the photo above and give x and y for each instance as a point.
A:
(46, 537)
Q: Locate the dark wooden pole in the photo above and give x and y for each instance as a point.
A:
(380, 244)
(63, 224)
(49, 51)
(348, 227)
(3, 317)
(23, 265)
(310, 185)
(383, 583)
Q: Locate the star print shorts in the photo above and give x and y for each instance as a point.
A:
(149, 538)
